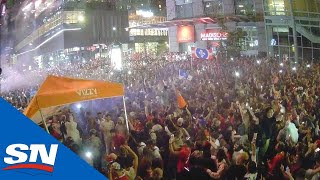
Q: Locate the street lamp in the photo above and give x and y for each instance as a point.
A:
(145, 14)
(116, 58)
(237, 74)
(81, 18)
(114, 28)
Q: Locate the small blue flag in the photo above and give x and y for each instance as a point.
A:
(183, 74)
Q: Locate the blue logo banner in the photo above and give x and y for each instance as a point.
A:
(29, 152)
(202, 53)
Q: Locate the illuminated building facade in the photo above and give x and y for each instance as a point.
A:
(146, 12)
(283, 29)
(210, 21)
(293, 29)
(55, 30)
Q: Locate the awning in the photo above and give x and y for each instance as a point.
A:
(191, 21)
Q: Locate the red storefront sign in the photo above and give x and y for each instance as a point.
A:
(213, 35)
(185, 34)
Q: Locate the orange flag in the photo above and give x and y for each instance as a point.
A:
(181, 102)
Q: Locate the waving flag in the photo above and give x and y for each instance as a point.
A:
(181, 102)
(183, 74)
(199, 53)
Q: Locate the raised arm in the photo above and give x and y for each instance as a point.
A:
(253, 115)
(135, 158)
(146, 110)
(209, 114)
(171, 148)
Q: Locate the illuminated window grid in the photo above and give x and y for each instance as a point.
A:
(68, 17)
(148, 32)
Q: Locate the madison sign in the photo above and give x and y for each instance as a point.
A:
(213, 36)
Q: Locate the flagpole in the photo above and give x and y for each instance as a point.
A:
(191, 63)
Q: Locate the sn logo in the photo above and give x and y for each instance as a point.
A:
(18, 158)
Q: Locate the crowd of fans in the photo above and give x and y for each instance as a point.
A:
(245, 119)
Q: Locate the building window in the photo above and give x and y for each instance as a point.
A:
(250, 39)
(244, 7)
(276, 7)
(181, 2)
(68, 17)
(213, 7)
(72, 17)
(184, 11)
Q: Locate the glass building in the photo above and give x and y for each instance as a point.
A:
(211, 17)
(146, 12)
(283, 29)
(57, 31)
(293, 29)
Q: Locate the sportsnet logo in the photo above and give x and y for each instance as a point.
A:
(33, 157)
(28, 152)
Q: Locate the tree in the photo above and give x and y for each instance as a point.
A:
(232, 47)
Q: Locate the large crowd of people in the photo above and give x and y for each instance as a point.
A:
(244, 119)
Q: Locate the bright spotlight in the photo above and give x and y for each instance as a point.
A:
(281, 64)
(308, 65)
(114, 28)
(237, 74)
(80, 18)
(231, 59)
(258, 62)
(146, 14)
(144, 63)
(88, 154)
(111, 73)
(116, 58)
(129, 72)
(79, 106)
(294, 68)
(280, 71)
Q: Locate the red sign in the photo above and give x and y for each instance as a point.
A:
(210, 35)
(185, 34)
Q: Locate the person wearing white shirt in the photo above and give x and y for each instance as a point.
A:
(106, 127)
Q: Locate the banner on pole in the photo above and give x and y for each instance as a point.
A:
(199, 53)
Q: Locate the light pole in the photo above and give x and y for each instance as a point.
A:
(144, 43)
(294, 31)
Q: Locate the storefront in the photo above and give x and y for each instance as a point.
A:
(185, 38)
(214, 38)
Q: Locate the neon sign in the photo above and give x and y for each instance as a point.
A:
(213, 36)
